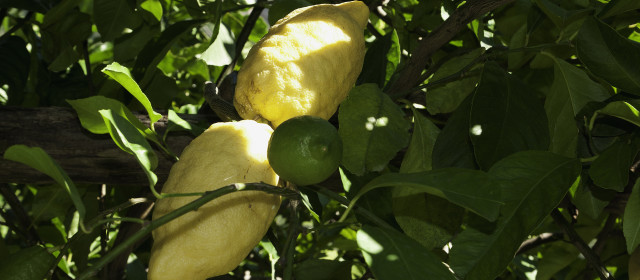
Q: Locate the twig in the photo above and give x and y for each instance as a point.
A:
(592, 259)
(539, 240)
(191, 206)
(410, 75)
(87, 65)
(23, 218)
(242, 40)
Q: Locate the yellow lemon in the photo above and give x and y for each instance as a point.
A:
(214, 239)
(305, 65)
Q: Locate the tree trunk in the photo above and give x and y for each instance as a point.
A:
(86, 157)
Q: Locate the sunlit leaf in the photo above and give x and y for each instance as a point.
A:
(122, 75)
(392, 255)
(38, 159)
(154, 7)
(130, 140)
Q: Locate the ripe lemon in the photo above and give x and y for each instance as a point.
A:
(306, 64)
(214, 239)
(305, 150)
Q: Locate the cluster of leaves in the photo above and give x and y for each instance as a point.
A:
(514, 157)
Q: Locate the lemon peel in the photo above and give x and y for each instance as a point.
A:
(214, 239)
(305, 65)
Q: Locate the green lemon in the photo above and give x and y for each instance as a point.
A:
(305, 150)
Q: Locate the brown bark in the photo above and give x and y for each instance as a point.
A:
(86, 157)
(410, 75)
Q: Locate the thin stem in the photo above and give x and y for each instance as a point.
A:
(191, 206)
(592, 259)
(344, 201)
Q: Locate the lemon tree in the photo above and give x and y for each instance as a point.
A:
(305, 150)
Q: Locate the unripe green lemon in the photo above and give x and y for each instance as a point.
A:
(305, 150)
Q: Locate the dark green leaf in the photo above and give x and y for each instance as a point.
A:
(112, 17)
(372, 129)
(32, 263)
(611, 169)
(392, 255)
(471, 189)
(280, 8)
(418, 155)
(63, 29)
(609, 55)
(619, 109)
(155, 50)
(50, 202)
(38, 159)
(558, 15)
(15, 61)
(591, 200)
(505, 117)
(453, 146)
(374, 69)
(570, 91)
(631, 219)
(447, 97)
(615, 7)
(319, 269)
(533, 183)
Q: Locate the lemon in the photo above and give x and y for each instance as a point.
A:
(305, 65)
(214, 239)
(305, 150)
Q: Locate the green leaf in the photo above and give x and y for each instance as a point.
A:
(222, 50)
(619, 109)
(428, 219)
(63, 29)
(50, 202)
(372, 129)
(533, 183)
(31, 263)
(113, 17)
(631, 219)
(615, 7)
(447, 97)
(123, 77)
(609, 55)
(418, 155)
(15, 61)
(471, 189)
(570, 91)
(392, 255)
(591, 200)
(38, 159)
(453, 146)
(154, 7)
(155, 50)
(280, 8)
(320, 269)
(87, 110)
(130, 140)
(558, 15)
(505, 117)
(175, 121)
(611, 169)
(374, 69)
